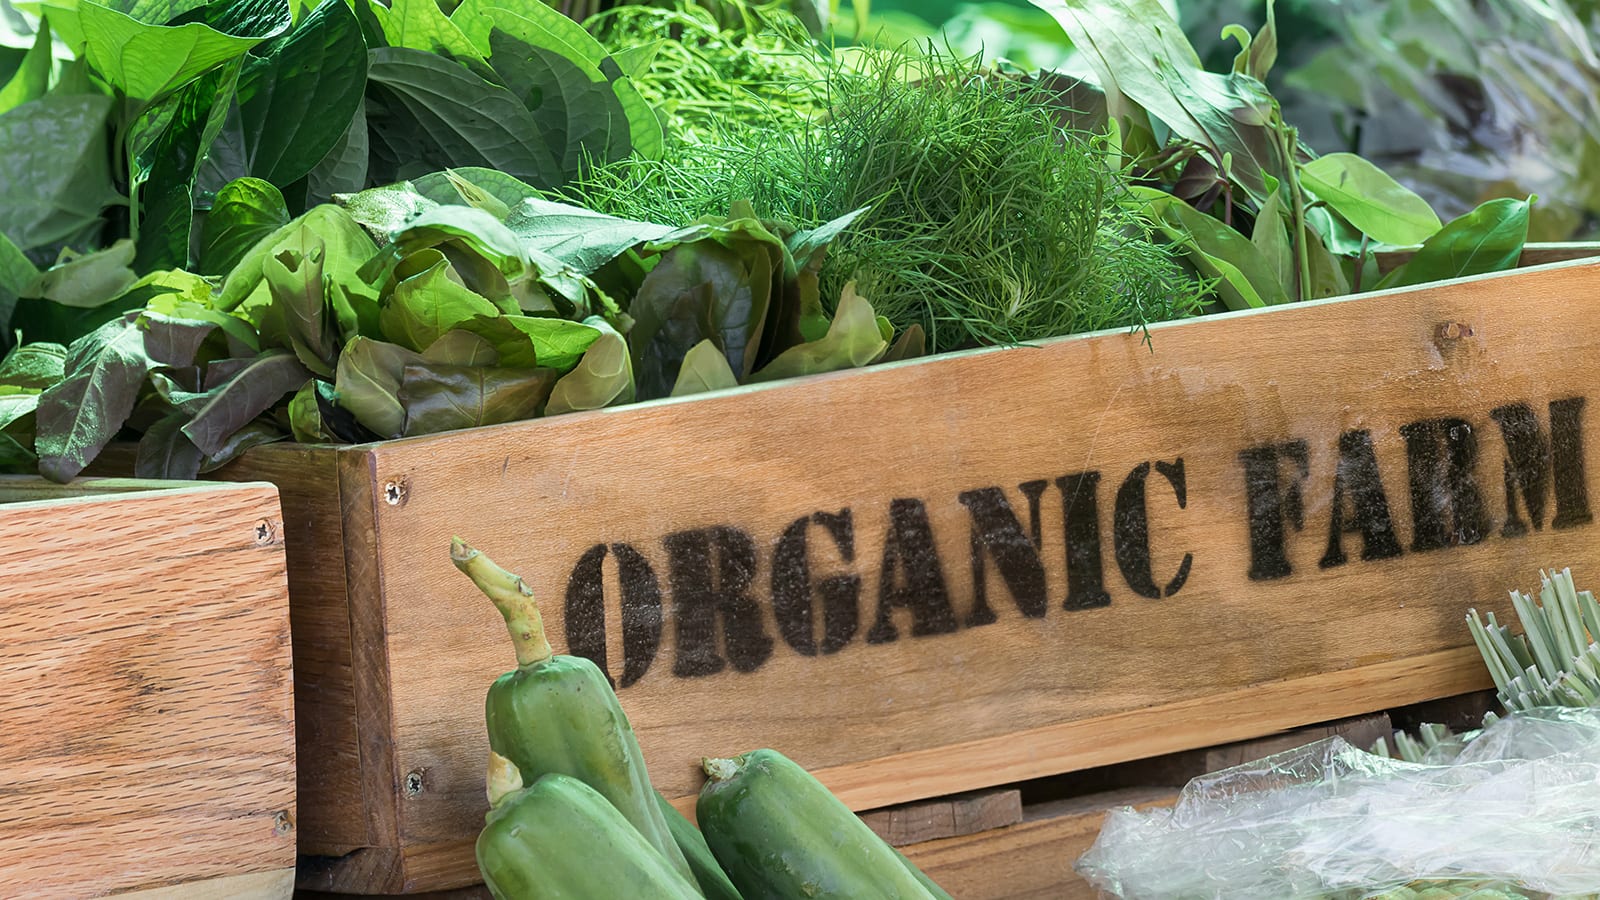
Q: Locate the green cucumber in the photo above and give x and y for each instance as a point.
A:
(937, 892)
(708, 873)
(558, 714)
(780, 835)
(559, 839)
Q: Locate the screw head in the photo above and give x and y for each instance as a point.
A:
(413, 786)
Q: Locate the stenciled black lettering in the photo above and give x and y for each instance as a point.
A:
(711, 570)
(912, 576)
(1270, 503)
(1131, 530)
(1566, 459)
(641, 611)
(1447, 507)
(1080, 505)
(793, 591)
(1535, 463)
(1357, 477)
(997, 533)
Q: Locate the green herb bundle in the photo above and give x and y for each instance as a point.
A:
(988, 222)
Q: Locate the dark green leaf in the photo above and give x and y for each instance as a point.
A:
(248, 394)
(441, 116)
(244, 212)
(443, 398)
(254, 434)
(145, 58)
(186, 124)
(1488, 239)
(166, 452)
(368, 384)
(704, 369)
(81, 414)
(297, 98)
(1369, 199)
(55, 170)
(344, 169)
(604, 377)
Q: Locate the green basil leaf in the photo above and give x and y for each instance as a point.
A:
(1369, 199)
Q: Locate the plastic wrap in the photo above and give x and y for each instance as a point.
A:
(1515, 810)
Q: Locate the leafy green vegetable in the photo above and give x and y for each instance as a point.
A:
(137, 50)
(54, 180)
(704, 368)
(1248, 279)
(245, 211)
(426, 306)
(368, 384)
(86, 281)
(255, 389)
(442, 398)
(854, 339)
(297, 98)
(603, 377)
(1369, 199)
(31, 78)
(1488, 239)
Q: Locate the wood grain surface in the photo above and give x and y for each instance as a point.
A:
(1031, 860)
(145, 690)
(956, 573)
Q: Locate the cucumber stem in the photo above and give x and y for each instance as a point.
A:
(512, 596)
(721, 769)
(504, 778)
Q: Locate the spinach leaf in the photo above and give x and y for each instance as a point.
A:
(704, 369)
(603, 377)
(252, 391)
(426, 306)
(368, 384)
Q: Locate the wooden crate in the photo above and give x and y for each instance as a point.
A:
(145, 696)
(950, 574)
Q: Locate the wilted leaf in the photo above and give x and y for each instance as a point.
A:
(604, 377)
(704, 369)
(852, 341)
(368, 384)
(443, 398)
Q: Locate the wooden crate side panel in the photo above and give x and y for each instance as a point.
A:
(1032, 860)
(886, 474)
(145, 692)
(332, 804)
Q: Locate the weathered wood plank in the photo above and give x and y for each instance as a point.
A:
(957, 573)
(944, 817)
(1032, 860)
(145, 690)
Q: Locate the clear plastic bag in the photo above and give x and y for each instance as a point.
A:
(1514, 811)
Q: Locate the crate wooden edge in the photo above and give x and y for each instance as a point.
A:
(276, 884)
(31, 491)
